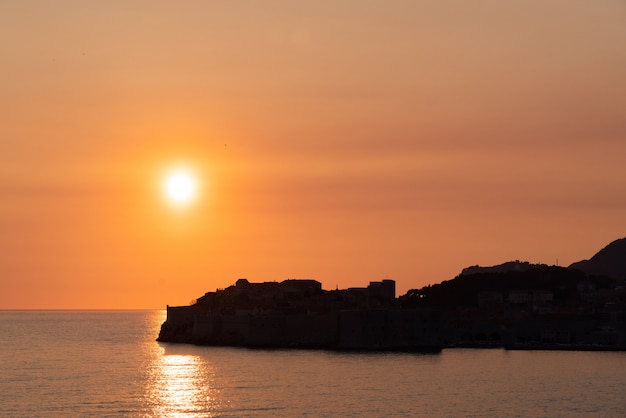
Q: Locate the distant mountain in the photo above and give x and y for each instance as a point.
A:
(500, 268)
(609, 261)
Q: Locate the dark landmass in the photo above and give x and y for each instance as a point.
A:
(299, 314)
(609, 261)
(516, 305)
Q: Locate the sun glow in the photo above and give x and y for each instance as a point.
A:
(180, 187)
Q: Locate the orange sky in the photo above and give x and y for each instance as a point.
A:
(341, 141)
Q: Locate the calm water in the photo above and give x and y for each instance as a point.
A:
(108, 364)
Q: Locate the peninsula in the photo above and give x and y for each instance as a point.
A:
(517, 305)
(299, 314)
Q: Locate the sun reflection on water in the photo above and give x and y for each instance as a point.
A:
(182, 386)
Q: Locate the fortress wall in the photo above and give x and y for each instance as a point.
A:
(231, 329)
(350, 329)
(203, 328)
(385, 329)
(280, 330)
(180, 314)
(312, 330)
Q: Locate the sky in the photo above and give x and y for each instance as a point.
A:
(341, 141)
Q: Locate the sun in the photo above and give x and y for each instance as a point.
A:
(180, 186)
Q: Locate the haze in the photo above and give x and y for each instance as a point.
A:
(342, 141)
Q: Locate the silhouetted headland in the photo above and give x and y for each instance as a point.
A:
(517, 305)
(299, 314)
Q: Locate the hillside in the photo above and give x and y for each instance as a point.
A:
(609, 261)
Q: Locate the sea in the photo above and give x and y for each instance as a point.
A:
(107, 363)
